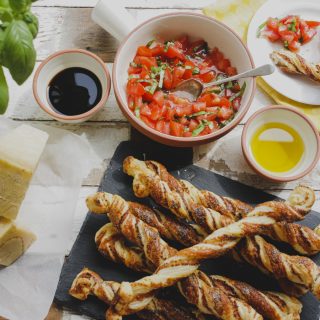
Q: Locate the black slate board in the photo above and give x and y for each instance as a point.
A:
(179, 163)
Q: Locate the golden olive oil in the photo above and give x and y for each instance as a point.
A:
(277, 147)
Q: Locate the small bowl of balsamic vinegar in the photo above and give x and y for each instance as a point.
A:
(72, 85)
(280, 143)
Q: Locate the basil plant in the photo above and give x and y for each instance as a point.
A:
(18, 28)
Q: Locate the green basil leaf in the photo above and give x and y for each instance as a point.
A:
(32, 22)
(198, 129)
(196, 70)
(19, 5)
(5, 16)
(2, 35)
(4, 3)
(4, 92)
(150, 43)
(240, 93)
(200, 113)
(137, 112)
(262, 25)
(18, 53)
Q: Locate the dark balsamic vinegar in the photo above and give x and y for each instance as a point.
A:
(74, 91)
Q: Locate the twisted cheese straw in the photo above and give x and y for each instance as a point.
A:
(99, 204)
(184, 200)
(88, 283)
(169, 227)
(299, 270)
(270, 260)
(271, 305)
(134, 297)
(156, 250)
(302, 198)
(112, 245)
(303, 239)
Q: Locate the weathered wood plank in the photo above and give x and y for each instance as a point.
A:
(224, 156)
(55, 313)
(183, 4)
(62, 28)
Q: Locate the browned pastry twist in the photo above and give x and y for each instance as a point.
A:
(302, 238)
(133, 297)
(100, 202)
(291, 62)
(179, 201)
(166, 189)
(169, 227)
(88, 283)
(152, 178)
(148, 238)
(270, 260)
(112, 244)
(226, 206)
(271, 305)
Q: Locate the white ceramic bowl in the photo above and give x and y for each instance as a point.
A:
(68, 59)
(296, 120)
(171, 26)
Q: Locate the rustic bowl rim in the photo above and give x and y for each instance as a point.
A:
(81, 116)
(253, 163)
(168, 139)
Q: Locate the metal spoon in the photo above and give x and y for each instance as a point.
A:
(192, 88)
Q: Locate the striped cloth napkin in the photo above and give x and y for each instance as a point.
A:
(237, 14)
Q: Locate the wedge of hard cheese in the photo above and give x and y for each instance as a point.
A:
(14, 241)
(20, 151)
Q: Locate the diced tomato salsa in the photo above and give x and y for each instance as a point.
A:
(291, 30)
(160, 67)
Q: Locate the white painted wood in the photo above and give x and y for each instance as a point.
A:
(62, 28)
(183, 4)
(69, 316)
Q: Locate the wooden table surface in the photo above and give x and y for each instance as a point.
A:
(67, 24)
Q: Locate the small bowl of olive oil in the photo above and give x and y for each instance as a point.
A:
(72, 85)
(280, 143)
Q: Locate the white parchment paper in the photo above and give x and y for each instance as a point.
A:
(27, 287)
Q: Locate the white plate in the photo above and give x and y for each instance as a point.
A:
(297, 88)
